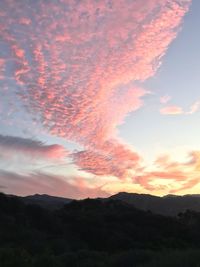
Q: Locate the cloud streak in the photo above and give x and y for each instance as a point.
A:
(12, 146)
(177, 110)
(171, 110)
(43, 183)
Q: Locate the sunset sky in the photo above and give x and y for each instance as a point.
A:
(99, 96)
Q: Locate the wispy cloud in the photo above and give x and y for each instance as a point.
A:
(2, 187)
(12, 146)
(177, 110)
(194, 107)
(171, 176)
(171, 110)
(43, 183)
(165, 99)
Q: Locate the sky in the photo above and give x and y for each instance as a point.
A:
(99, 97)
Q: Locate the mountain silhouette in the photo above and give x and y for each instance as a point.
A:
(46, 201)
(94, 233)
(169, 205)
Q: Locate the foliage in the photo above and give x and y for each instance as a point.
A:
(93, 233)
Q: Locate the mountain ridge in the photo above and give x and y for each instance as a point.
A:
(169, 205)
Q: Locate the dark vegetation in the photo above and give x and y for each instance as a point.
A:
(94, 233)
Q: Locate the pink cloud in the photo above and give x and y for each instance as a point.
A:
(171, 110)
(76, 68)
(112, 159)
(176, 110)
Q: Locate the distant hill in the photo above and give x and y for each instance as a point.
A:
(170, 205)
(46, 201)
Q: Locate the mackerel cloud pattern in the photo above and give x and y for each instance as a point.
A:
(78, 66)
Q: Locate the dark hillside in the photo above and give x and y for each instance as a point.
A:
(90, 233)
(170, 205)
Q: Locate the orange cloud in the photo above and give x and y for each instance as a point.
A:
(171, 176)
(146, 180)
(186, 185)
